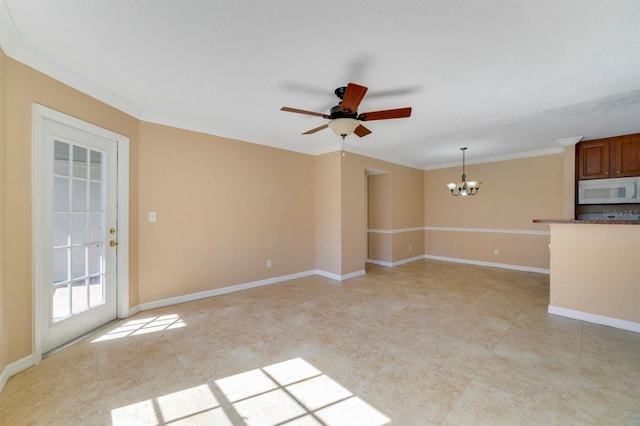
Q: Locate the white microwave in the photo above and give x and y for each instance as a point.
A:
(609, 191)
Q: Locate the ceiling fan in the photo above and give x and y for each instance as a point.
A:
(344, 117)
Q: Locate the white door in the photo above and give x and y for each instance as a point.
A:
(76, 275)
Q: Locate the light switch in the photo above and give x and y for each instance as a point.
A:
(152, 216)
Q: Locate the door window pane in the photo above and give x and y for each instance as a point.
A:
(79, 296)
(61, 158)
(95, 227)
(95, 196)
(79, 195)
(61, 306)
(79, 229)
(95, 166)
(61, 229)
(95, 259)
(60, 265)
(60, 194)
(80, 162)
(96, 291)
(78, 262)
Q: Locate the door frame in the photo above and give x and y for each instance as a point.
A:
(41, 224)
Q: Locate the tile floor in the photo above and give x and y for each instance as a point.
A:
(424, 343)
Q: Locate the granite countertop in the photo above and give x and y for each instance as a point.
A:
(588, 222)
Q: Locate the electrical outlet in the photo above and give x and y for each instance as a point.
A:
(268, 263)
(496, 252)
(410, 247)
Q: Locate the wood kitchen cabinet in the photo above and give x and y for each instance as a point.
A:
(609, 158)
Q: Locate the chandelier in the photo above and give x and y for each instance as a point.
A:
(464, 188)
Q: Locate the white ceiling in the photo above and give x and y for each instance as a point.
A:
(506, 78)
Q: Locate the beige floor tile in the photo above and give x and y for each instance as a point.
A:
(419, 344)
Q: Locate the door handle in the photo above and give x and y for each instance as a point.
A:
(113, 243)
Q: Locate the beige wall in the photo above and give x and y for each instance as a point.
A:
(4, 340)
(328, 221)
(595, 270)
(354, 233)
(24, 86)
(379, 245)
(379, 201)
(223, 208)
(514, 193)
(395, 203)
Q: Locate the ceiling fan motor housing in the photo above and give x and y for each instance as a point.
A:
(336, 112)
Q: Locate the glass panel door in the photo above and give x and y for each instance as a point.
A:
(77, 274)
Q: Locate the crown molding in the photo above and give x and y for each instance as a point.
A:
(514, 156)
(569, 141)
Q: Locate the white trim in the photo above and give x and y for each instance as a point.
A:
(355, 274)
(395, 231)
(10, 39)
(569, 141)
(16, 367)
(452, 229)
(338, 277)
(122, 289)
(514, 156)
(40, 113)
(369, 171)
(491, 264)
(380, 262)
(219, 291)
(132, 311)
(396, 263)
(488, 230)
(596, 319)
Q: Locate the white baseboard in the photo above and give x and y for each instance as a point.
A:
(396, 263)
(16, 367)
(230, 289)
(132, 311)
(219, 291)
(491, 264)
(458, 260)
(596, 319)
(338, 277)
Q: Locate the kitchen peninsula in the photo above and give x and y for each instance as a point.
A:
(595, 271)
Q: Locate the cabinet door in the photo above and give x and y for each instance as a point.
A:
(593, 159)
(625, 151)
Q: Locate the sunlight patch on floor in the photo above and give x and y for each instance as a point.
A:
(143, 326)
(292, 393)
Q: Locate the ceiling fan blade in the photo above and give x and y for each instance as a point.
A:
(302, 111)
(361, 131)
(386, 114)
(317, 129)
(352, 98)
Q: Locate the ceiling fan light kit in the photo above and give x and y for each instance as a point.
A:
(343, 126)
(344, 116)
(463, 187)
